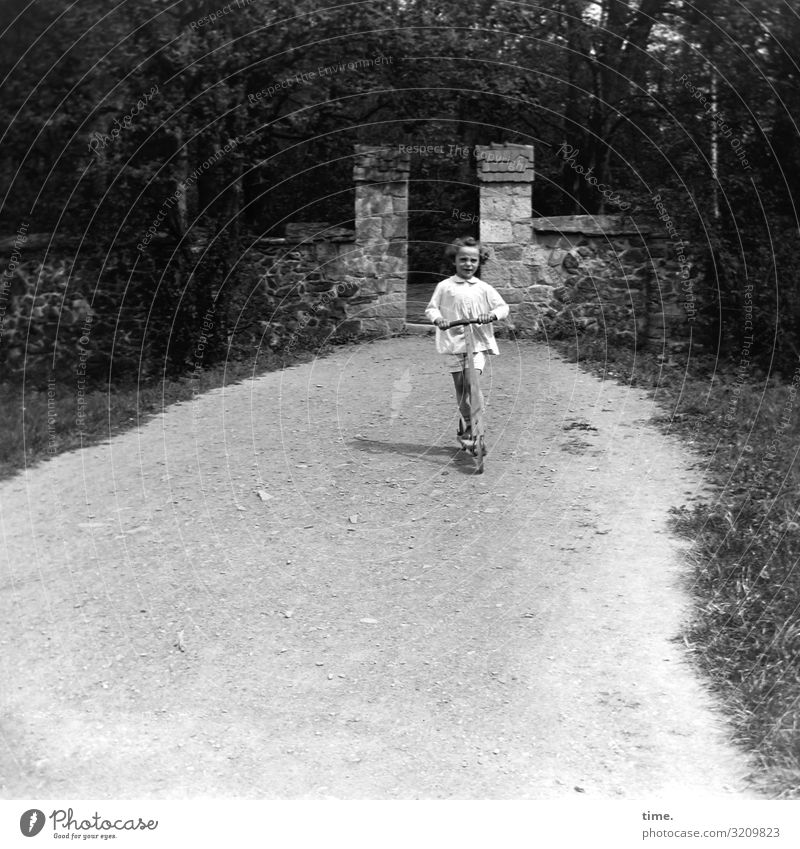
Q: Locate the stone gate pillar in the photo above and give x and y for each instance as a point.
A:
(379, 263)
(505, 177)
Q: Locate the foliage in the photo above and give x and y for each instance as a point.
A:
(634, 88)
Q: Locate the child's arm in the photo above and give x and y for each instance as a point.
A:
(497, 307)
(432, 311)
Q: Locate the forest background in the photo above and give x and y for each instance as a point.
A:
(205, 126)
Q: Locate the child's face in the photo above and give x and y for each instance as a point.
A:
(467, 261)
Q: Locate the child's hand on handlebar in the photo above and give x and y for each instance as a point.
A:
(441, 323)
(486, 318)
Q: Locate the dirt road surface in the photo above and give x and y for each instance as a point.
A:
(295, 588)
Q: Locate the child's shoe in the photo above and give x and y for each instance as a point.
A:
(464, 434)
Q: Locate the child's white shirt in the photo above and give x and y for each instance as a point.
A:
(455, 299)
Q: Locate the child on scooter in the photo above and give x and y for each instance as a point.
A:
(458, 297)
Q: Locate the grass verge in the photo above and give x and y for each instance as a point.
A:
(40, 423)
(745, 634)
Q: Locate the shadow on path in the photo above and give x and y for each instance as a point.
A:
(459, 460)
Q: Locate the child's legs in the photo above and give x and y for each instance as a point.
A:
(457, 365)
(478, 373)
(462, 393)
(480, 364)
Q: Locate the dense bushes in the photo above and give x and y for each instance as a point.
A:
(130, 316)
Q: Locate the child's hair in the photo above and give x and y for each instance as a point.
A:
(465, 242)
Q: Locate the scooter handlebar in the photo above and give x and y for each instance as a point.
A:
(463, 321)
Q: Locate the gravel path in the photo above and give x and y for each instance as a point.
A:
(294, 588)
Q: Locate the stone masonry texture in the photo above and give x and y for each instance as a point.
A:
(560, 275)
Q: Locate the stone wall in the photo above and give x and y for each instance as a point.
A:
(317, 282)
(303, 294)
(604, 277)
(601, 274)
(355, 279)
(44, 308)
(591, 274)
(618, 280)
(304, 279)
